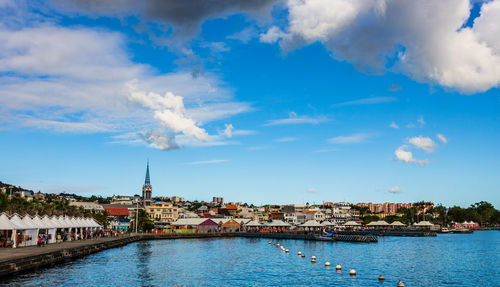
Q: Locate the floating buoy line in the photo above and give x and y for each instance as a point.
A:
(338, 267)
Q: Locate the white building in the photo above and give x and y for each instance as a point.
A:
(87, 205)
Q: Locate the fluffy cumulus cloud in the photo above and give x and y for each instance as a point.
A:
(425, 40)
(169, 111)
(424, 143)
(394, 189)
(402, 154)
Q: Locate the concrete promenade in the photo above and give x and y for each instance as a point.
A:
(16, 260)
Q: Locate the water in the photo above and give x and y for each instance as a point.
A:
(446, 260)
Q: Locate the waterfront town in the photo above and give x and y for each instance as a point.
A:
(118, 215)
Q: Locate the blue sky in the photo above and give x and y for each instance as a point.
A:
(276, 102)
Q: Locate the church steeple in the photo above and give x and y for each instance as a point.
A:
(147, 182)
(147, 189)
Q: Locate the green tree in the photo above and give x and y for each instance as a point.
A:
(145, 223)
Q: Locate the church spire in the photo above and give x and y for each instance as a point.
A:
(147, 182)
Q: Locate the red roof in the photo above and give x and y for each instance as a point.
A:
(230, 206)
(116, 210)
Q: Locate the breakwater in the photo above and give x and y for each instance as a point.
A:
(365, 238)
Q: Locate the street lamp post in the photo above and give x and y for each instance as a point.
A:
(137, 216)
(10, 195)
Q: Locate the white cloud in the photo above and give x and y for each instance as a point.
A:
(75, 80)
(424, 40)
(228, 131)
(293, 119)
(368, 101)
(272, 35)
(394, 189)
(244, 35)
(351, 139)
(394, 125)
(310, 190)
(442, 138)
(407, 156)
(214, 161)
(285, 139)
(425, 143)
(169, 111)
(159, 140)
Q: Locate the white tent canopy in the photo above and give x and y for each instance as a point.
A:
(29, 222)
(6, 224)
(423, 223)
(312, 223)
(38, 221)
(378, 223)
(49, 221)
(190, 221)
(21, 225)
(397, 223)
(351, 223)
(58, 221)
(277, 223)
(253, 223)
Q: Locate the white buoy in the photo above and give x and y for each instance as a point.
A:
(401, 284)
(313, 257)
(298, 253)
(381, 278)
(352, 272)
(286, 251)
(278, 245)
(327, 264)
(338, 267)
(313, 260)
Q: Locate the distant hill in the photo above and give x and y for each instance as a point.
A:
(14, 189)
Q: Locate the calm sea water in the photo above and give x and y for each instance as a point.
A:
(446, 260)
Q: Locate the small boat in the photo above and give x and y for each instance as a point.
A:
(445, 230)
